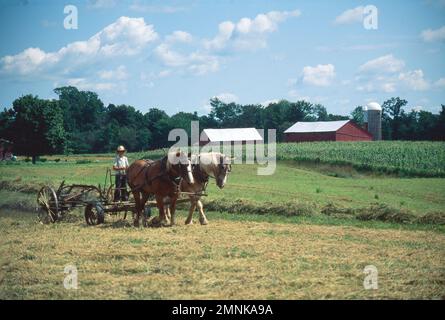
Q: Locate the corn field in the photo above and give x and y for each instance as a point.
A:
(405, 158)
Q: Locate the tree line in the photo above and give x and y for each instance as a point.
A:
(79, 122)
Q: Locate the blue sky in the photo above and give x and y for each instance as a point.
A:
(176, 55)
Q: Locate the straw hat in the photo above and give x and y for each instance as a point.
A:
(120, 148)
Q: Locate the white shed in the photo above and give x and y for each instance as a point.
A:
(231, 134)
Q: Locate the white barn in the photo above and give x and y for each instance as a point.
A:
(232, 135)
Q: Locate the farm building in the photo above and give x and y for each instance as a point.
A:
(232, 135)
(345, 130)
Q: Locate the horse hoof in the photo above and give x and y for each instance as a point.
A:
(203, 222)
(165, 223)
(187, 223)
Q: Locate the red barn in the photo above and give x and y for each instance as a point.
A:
(345, 130)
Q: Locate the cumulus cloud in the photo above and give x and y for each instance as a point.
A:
(320, 75)
(350, 16)
(225, 31)
(120, 73)
(384, 85)
(414, 80)
(247, 33)
(430, 35)
(125, 37)
(179, 36)
(387, 74)
(196, 63)
(384, 64)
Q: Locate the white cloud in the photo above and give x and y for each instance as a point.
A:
(201, 64)
(179, 36)
(120, 73)
(320, 75)
(195, 63)
(247, 33)
(384, 64)
(84, 84)
(386, 74)
(225, 30)
(170, 57)
(384, 85)
(388, 87)
(414, 80)
(227, 97)
(125, 37)
(350, 16)
(430, 35)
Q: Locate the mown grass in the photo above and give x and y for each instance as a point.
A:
(227, 259)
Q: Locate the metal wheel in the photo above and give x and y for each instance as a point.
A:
(94, 214)
(48, 205)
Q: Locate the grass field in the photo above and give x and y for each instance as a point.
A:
(291, 182)
(300, 233)
(229, 259)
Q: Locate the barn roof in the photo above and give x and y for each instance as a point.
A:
(318, 126)
(233, 134)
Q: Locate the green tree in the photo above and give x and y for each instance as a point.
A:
(37, 126)
(157, 121)
(226, 114)
(392, 114)
(358, 115)
(439, 130)
(320, 112)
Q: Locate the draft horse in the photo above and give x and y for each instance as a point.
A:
(204, 166)
(159, 178)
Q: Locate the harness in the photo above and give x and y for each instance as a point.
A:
(200, 175)
(163, 173)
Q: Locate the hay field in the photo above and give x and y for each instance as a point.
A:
(228, 259)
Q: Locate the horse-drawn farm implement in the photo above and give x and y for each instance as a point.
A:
(97, 201)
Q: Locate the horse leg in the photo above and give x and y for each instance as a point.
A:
(202, 216)
(143, 202)
(189, 219)
(172, 210)
(161, 207)
(137, 200)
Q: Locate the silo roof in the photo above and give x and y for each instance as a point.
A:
(317, 126)
(373, 106)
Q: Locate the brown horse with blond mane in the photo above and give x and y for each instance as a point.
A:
(161, 178)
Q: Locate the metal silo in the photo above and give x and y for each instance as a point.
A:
(373, 120)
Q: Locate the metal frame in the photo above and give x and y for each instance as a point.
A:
(97, 201)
